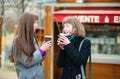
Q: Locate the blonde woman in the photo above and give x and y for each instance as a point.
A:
(70, 58)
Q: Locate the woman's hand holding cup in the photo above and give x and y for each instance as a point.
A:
(46, 45)
(62, 40)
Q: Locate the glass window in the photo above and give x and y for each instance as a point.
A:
(105, 38)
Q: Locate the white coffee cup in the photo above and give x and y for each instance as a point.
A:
(62, 34)
(48, 37)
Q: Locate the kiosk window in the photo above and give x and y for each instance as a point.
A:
(105, 38)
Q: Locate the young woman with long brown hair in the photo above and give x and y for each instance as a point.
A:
(25, 52)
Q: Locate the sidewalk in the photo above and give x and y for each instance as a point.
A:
(7, 74)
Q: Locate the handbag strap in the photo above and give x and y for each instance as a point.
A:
(82, 68)
(90, 67)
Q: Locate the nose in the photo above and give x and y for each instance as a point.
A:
(64, 29)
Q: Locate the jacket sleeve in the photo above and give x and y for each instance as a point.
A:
(61, 58)
(37, 58)
(79, 57)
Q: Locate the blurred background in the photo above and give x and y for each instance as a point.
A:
(101, 19)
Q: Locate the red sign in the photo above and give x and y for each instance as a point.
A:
(90, 16)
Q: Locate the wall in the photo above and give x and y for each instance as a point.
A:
(104, 71)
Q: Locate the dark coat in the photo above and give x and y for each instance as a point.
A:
(71, 58)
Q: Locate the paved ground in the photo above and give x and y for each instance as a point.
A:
(7, 74)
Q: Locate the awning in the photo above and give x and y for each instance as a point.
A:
(90, 16)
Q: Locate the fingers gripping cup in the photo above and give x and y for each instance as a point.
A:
(48, 38)
(62, 34)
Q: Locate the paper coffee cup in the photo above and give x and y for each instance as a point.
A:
(48, 37)
(62, 34)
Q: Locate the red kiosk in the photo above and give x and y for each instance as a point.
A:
(103, 29)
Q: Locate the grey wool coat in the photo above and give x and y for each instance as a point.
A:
(30, 70)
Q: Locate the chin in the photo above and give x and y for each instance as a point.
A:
(68, 34)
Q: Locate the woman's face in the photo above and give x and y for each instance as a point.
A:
(68, 29)
(35, 25)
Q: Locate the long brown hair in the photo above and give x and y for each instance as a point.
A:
(23, 41)
(78, 27)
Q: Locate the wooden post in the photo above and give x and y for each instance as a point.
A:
(47, 31)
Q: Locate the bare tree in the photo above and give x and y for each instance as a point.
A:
(21, 5)
(1, 22)
(18, 6)
(2, 8)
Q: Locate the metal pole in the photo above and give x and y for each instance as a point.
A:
(52, 49)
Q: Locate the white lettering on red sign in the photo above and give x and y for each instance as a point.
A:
(106, 20)
(91, 19)
(116, 19)
(98, 19)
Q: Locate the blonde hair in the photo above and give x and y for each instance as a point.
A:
(78, 27)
